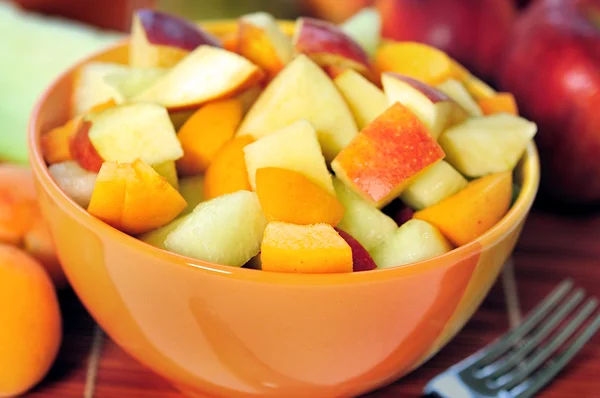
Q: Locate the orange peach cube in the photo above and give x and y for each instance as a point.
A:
(134, 198)
(289, 196)
(499, 103)
(307, 249)
(387, 155)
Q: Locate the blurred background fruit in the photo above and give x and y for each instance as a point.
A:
(553, 68)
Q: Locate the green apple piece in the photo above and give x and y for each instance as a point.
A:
(414, 241)
(75, 181)
(90, 87)
(459, 93)
(365, 28)
(489, 144)
(433, 185)
(131, 81)
(295, 148)
(168, 170)
(34, 50)
(368, 225)
(158, 237)
(140, 130)
(225, 230)
(302, 91)
(366, 101)
(192, 190)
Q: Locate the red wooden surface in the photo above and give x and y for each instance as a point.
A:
(552, 248)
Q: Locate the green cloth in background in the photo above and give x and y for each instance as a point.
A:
(34, 50)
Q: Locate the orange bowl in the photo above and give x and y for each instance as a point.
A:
(214, 330)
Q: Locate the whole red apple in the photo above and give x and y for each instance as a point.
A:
(474, 32)
(553, 69)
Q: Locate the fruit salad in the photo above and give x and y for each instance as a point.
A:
(306, 148)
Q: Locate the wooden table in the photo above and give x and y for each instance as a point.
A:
(552, 248)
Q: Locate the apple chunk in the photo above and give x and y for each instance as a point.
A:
(131, 81)
(225, 230)
(366, 224)
(387, 155)
(365, 99)
(206, 74)
(261, 41)
(302, 91)
(90, 87)
(414, 241)
(455, 90)
(487, 144)
(162, 40)
(433, 185)
(361, 259)
(75, 181)
(365, 28)
(434, 108)
(327, 44)
(128, 132)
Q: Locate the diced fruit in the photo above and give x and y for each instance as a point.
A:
(295, 148)
(499, 103)
(131, 131)
(206, 74)
(387, 155)
(168, 170)
(31, 329)
(365, 223)
(366, 100)
(56, 143)
(434, 108)
(248, 97)
(91, 89)
(205, 132)
(455, 90)
(477, 88)
(307, 249)
(75, 181)
(158, 236)
(327, 44)
(228, 173)
(334, 71)
(468, 214)
(289, 196)
(302, 91)
(131, 81)
(433, 185)
(83, 151)
(225, 230)
(414, 241)
(361, 259)
(230, 42)
(134, 198)
(192, 190)
(487, 144)
(419, 61)
(261, 41)
(162, 40)
(399, 212)
(365, 28)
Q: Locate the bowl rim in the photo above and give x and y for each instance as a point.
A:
(518, 211)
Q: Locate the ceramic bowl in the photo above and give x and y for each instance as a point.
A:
(214, 330)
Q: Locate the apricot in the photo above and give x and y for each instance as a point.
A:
(289, 196)
(30, 331)
(468, 214)
(205, 132)
(134, 198)
(227, 173)
(499, 103)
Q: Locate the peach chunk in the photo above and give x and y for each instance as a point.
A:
(308, 249)
(227, 173)
(205, 132)
(289, 196)
(30, 322)
(416, 60)
(134, 198)
(468, 214)
(499, 103)
(384, 157)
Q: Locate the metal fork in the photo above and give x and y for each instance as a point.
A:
(527, 358)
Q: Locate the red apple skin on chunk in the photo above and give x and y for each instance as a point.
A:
(168, 30)
(361, 259)
(386, 155)
(83, 151)
(327, 44)
(433, 94)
